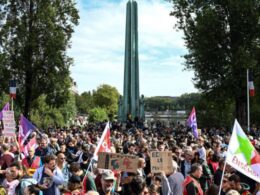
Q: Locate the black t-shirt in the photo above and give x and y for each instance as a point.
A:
(46, 179)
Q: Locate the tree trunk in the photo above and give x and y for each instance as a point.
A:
(28, 94)
(241, 113)
(29, 66)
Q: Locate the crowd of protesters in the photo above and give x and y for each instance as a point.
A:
(62, 162)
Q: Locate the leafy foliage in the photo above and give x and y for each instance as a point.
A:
(159, 103)
(222, 38)
(84, 102)
(44, 115)
(34, 37)
(106, 97)
(97, 114)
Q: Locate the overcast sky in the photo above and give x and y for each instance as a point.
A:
(98, 48)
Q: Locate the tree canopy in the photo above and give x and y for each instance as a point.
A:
(222, 38)
(97, 114)
(34, 37)
(106, 97)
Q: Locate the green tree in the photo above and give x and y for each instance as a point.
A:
(106, 97)
(34, 37)
(69, 108)
(160, 103)
(188, 100)
(84, 102)
(222, 38)
(4, 98)
(211, 113)
(44, 115)
(97, 115)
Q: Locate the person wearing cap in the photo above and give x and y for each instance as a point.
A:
(191, 184)
(107, 183)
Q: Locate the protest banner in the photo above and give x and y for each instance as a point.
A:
(116, 161)
(242, 155)
(161, 161)
(9, 123)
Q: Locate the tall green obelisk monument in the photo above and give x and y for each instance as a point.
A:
(131, 104)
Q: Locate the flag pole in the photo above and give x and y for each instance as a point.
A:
(223, 174)
(12, 103)
(248, 105)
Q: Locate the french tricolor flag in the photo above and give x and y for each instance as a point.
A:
(12, 88)
(251, 84)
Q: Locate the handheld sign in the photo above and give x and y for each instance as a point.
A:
(9, 123)
(116, 161)
(161, 161)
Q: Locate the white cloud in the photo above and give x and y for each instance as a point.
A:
(98, 48)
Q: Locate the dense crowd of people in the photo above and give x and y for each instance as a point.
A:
(62, 162)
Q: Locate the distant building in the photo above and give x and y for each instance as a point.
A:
(167, 118)
(74, 88)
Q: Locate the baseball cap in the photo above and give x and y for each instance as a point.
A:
(108, 175)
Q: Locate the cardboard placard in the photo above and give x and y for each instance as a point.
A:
(161, 161)
(9, 123)
(116, 161)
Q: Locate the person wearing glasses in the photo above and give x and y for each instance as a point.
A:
(43, 149)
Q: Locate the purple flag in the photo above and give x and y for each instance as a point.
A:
(5, 108)
(25, 129)
(192, 123)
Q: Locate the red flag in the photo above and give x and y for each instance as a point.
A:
(104, 144)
